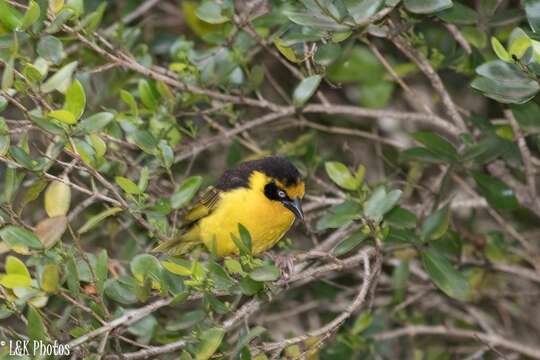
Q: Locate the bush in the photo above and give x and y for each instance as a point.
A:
(416, 126)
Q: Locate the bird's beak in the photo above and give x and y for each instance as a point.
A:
(296, 207)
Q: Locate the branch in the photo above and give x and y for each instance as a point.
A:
(248, 308)
(424, 65)
(490, 339)
(332, 326)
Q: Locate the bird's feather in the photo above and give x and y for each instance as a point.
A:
(189, 239)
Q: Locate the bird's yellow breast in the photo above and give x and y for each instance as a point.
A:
(266, 220)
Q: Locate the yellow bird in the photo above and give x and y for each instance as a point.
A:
(263, 195)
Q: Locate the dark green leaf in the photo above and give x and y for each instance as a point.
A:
(305, 90)
(51, 49)
(505, 82)
(380, 202)
(102, 269)
(400, 218)
(17, 236)
(436, 144)
(427, 6)
(127, 185)
(31, 15)
(459, 14)
(361, 10)
(445, 276)
(265, 273)
(98, 218)
(496, 192)
(209, 342)
(532, 9)
(185, 192)
(339, 215)
(349, 243)
(35, 328)
(436, 224)
(9, 17)
(94, 123)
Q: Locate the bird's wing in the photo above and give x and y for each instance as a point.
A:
(204, 206)
(183, 243)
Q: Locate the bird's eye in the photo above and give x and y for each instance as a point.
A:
(281, 194)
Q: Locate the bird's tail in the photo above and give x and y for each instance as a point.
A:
(178, 246)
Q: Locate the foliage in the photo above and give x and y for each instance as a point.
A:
(415, 124)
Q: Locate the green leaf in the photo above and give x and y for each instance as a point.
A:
(63, 116)
(122, 290)
(61, 18)
(50, 48)
(222, 280)
(16, 236)
(212, 12)
(127, 185)
(438, 145)
(401, 218)
(130, 101)
(9, 17)
(14, 266)
(50, 278)
(244, 243)
(458, 14)
(32, 73)
(72, 273)
(349, 243)
(21, 157)
(31, 15)
(518, 43)
(209, 343)
(60, 80)
(435, 224)
(35, 328)
(285, 50)
(57, 198)
(305, 90)
(504, 82)
(147, 95)
(177, 268)
(380, 202)
(102, 270)
(444, 275)
(427, 6)
(496, 192)
(97, 219)
(340, 215)
(185, 192)
(327, 53)
(145, 141)
(361, 10)
(3, 103)
(340, 174)
(499, 50)
(315, 20)
(15, 281)
(245, 339)
(145, 266)
(8, 74)
(5, 139)
(94, 123)
(75, 99)
(265, 273)
(532, 9)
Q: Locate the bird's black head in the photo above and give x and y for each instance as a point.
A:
(274, 176)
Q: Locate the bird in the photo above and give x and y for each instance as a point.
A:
(263, 195)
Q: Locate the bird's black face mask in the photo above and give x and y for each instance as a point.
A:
(294, 205)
